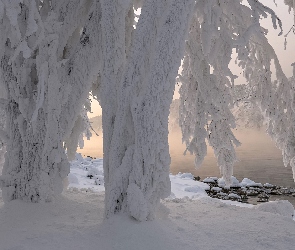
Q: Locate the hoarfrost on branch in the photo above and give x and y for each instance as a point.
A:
(54, 53)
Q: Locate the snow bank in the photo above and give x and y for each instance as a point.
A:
(188, 220)
(280, 207)
(75, 221)
(183, 185)
(87, 175)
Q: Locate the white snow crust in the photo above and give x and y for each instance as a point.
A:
(188, 219)
(283, 208)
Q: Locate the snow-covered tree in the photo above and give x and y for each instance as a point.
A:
(208, 84)
(136, 150)
(2, 143)
(53, 53)
(140, 76)
(247, 113)
(47, 68)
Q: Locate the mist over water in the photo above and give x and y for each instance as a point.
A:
(259, 159)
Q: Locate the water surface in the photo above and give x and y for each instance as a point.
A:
(259, 159)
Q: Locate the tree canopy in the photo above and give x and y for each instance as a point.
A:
(127, 54)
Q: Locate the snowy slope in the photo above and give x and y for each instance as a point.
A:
(74, 221)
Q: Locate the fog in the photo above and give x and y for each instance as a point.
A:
(259, 159)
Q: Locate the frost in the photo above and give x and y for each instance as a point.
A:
(136, 146)
(1, 10)
(207, 85)
(45, 100)
(53, 54)
(136, 203)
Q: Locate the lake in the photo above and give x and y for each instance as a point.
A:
(259, 159)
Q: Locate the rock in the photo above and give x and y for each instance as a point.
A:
(234, 197)
(216, 189)
(268, 185)
(249, 183)
(276, 192)
(209, 180)
(268, 191)
(252, 192)
(88, 158)
(214, 178)
(286, 191)
(197, 178)
(263, 197)
(243, 194)
(186, 176)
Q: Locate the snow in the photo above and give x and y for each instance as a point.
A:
(188, 219)
(138, 93)
(268, 185)
(186, 175)
(283, 208)
(209, 180)
(249, 183)
(81, 168)
(186, 187)
(138, 207)
(234, 182)
(183, 187)
(216, 189)
(235, 196)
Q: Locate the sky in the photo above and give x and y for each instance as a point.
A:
(286, 57)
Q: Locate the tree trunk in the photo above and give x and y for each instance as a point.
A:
(46, 91)
(136, 158)
(32, 171)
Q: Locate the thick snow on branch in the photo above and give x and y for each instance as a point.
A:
(206, 93)
(47, 68)
(53, 53)
(275, 98)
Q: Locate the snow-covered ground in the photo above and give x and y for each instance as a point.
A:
(188, 219)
